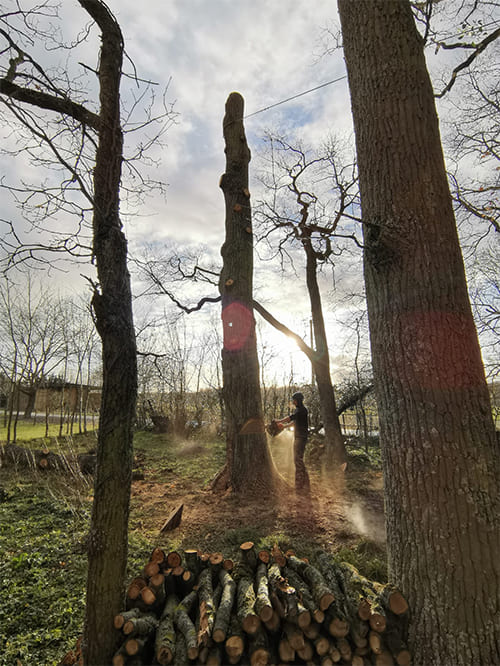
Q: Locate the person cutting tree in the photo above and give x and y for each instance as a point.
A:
(299, 419)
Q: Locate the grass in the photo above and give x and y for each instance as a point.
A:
(161, 456)
(42, 574)
(45, 519)
(27, 431)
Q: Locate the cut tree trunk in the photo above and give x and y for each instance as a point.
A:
(249, 464)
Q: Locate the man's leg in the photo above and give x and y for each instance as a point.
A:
(301, 475)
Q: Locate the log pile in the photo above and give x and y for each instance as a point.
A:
(44, 460)
(267, 607)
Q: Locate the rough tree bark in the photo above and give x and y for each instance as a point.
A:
(441, 459)
(334, 440)
(112, 304)
(249, 464)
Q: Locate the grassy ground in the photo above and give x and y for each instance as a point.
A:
(45, 518)
(27, 431)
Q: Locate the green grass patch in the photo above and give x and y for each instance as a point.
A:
(369, 559)
(164, 456)
(27, 430)
(42, 575)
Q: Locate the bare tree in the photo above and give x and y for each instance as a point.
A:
(33, 341)
(85, 142)
(441, 459)
(318, 226)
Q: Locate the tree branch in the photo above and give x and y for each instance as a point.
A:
(310, 353)
(50, 102)
(463, 65)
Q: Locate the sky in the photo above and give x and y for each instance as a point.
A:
(200, 51)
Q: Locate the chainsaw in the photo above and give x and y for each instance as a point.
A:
(274, 428)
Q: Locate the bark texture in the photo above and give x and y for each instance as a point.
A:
(334, 440)
(108, 538)
(249, 463)
(441, 460)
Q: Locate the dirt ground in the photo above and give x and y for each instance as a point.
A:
(341, 510)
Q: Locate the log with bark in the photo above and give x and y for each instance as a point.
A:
(272, 607)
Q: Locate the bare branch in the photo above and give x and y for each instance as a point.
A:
(468, 61)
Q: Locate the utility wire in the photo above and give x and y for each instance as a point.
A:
(289, 99)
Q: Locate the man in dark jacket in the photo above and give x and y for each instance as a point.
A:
(299, 419)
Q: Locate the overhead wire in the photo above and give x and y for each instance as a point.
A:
(289, 99)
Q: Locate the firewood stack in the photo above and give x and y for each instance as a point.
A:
(266, 608)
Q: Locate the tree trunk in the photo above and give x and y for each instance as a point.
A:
(108, 536)
(249, 464)
(30, 405)
(334, 441)
(441, 460)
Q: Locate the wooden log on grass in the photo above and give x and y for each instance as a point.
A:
(173, 520)
(245, 596)
(225, 607)
(336, 622)
(206, 607)
(320, 591)
(215, 657)
(258, 648)
(286, 651)
(151, 569)
(334, 654)
(294, 635)
(135, 587)
(192, 560)
(344, 647)
(274, 623)
(215, 562)
(123, 617)
(143, 625)
(183, 622)
(248, 554)
(134, 646)
(158, 556)
(322, 645)
(304, 593)
(235, 641)
(278, 556)
(354, 588)
(181, 650)
(263, 606)
(306, 653)
(283, 595)
(165, 634)
(312, 631)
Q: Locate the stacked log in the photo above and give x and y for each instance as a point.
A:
(263, 608)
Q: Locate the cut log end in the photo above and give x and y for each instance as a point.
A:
(234, 647)
(260, 657)
(397, 603)
(251, 624)
(326, 601)
(219, 635)
(304, 619)
(164, 656)
(266, 613)
(403, 658)
(338, 628)
(378, 622)
(192, 653)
